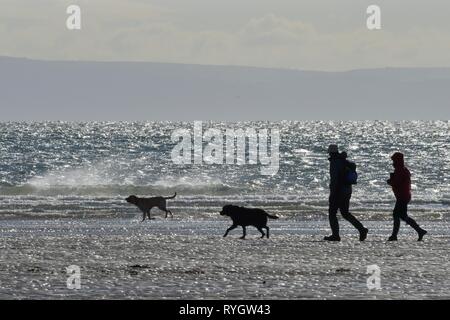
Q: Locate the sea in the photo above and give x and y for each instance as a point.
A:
(86, 170)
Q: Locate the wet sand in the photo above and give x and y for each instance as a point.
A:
(187, 259)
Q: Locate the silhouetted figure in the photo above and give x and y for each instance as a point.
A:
(340, 194)
(400, 181)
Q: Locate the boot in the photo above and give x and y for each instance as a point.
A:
(363, 234)
(332, 238)
(392, 238)
(421, 233)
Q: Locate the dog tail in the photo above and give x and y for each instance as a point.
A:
(271, 217)
(171, 196)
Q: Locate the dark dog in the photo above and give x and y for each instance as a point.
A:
(247, 217)
(146, 204)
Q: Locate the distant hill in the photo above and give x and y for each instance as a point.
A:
(79, 91)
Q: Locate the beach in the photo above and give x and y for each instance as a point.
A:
(145, 146)
(188, 259)
(62, 204)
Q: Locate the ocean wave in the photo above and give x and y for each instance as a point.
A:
(117, 190)
(198, 207)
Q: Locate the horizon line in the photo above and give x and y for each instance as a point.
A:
(223, 65)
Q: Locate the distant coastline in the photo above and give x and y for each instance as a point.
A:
(35, 90)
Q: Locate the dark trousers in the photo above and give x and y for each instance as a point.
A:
(341, 202)
(401, 212)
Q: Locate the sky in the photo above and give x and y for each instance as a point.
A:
(323, 35)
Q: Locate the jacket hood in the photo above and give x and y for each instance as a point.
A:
(342, 155)
(398, 159)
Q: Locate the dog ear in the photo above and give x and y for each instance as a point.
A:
(131, 199)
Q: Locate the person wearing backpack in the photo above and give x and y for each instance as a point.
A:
(400, 182)
(342, 176)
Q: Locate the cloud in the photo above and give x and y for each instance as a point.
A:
(145, 32)
(272, 30)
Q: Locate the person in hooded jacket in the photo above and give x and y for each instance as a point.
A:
(400, 181)
(340, 194)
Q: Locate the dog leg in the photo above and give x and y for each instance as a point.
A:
(229, 229)
(167, 212)
(262, 232)
(244, 232)
(143, 216)
(163, 208)
(267, 228)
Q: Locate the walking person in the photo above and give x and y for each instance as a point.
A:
(400, 181)
(340, 194)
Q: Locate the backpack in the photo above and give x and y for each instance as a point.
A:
(350, 174)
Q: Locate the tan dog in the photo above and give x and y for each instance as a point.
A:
(146, 204)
